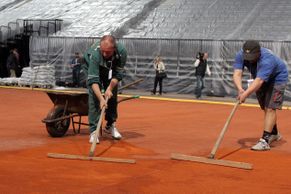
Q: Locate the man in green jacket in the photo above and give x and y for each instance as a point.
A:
(106, 60)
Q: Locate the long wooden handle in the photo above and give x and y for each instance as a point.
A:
(93, 146)
(218, 141)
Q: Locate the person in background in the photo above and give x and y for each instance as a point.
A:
(106, 60)
(270, 76)
(76, 66)
(13, 62)
(159, 67)
(201, 67)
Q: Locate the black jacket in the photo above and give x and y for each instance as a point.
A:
(201, 68)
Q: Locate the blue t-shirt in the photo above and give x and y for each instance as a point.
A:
(269, 68)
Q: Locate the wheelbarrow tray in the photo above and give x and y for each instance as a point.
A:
(74, 101)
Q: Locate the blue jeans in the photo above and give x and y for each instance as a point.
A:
(199, 86)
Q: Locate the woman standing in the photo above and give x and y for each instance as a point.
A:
(160, 74)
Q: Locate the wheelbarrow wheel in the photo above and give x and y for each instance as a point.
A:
(58, 128)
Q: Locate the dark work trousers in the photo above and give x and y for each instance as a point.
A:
(199, 86)
(76, 76)
(94, 109)
(160, 81)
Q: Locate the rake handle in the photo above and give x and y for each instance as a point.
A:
(218, 141)
(93, 146)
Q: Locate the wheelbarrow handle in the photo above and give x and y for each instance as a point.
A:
(128, 98)
(130, 84)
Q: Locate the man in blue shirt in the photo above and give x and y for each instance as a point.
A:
(270, 79)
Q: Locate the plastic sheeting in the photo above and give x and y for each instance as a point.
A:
(174, 19)
(217, 19)
(83, 18)
(178, 56)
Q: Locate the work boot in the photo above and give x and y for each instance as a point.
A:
(91, 139)
(113, 130)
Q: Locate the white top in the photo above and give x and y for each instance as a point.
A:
(160, 66)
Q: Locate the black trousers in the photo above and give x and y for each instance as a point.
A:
(76, 76)
(158, 80)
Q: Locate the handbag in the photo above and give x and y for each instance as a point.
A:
(163, 74)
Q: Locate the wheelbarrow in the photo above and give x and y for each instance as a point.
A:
(69, 104)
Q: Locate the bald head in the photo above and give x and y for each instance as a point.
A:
(107, 46)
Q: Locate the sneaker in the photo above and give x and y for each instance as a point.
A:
(114, 131)
(262, 145)
(91, 139)
(275, 138)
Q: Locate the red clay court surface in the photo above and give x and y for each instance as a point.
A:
(152, 130)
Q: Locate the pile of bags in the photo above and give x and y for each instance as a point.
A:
(39, 76)
(42, 76)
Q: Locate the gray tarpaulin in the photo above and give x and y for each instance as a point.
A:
(173, 19)
(217, 19)
(81, 18)
(178, 56)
